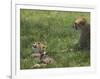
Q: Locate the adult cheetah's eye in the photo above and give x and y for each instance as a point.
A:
(39, 43)
(75, 23)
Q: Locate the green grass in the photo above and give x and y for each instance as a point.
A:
(53, 28)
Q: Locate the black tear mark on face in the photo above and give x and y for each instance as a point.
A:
(76, 26)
